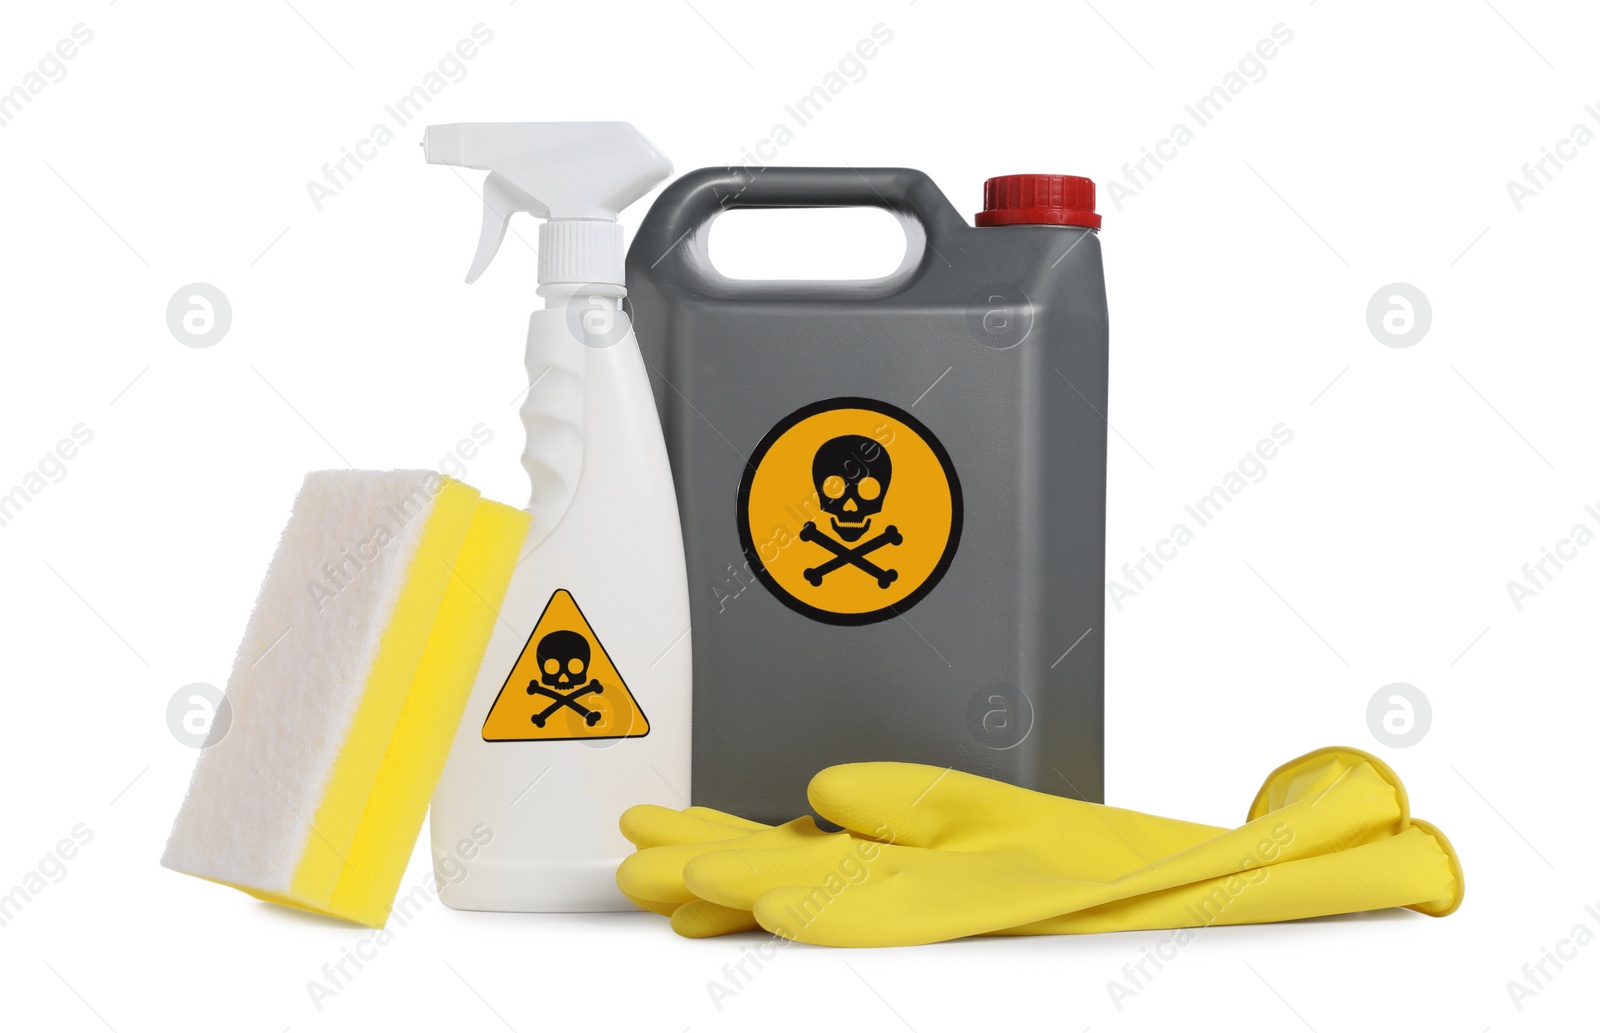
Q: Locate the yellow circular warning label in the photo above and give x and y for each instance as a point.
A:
(850, 511)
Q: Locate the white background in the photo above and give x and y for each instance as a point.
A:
(1378, 548)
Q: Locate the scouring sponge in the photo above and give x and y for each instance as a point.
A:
(347, 691)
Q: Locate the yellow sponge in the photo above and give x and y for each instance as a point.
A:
(347, 691)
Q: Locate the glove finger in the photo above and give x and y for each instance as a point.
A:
(1417, 869)
(727, 818)
(649, 825)
(657, 872)
(921, 806)
(659, 907)
(934, 896)
(735, 877)
(916, 804)
(700, 919)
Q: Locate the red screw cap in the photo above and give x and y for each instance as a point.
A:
(1039, 201)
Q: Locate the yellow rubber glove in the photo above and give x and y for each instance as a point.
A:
(1091, 842)
(1415, 869)
(1103, 841)
(971, 856)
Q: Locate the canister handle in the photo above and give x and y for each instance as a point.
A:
(674, 233)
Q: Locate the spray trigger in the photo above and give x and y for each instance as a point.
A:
(501, 200)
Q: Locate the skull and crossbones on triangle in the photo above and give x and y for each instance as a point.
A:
(563, 659)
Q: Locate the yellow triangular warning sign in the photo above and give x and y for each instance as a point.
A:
(564, 685)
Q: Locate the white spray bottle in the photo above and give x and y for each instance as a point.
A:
(582, 706)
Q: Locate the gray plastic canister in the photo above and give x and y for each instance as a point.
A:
(960, 403)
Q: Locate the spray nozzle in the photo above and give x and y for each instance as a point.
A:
(576, 175)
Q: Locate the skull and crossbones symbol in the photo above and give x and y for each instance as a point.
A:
(851, 474)
(563, 658)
